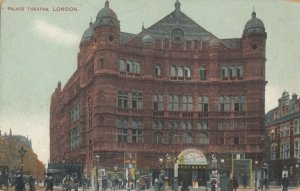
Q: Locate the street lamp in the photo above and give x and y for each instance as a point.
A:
(22, 153)
(222, 163)
(297, 171)
(97, 178)
(161, 175)
(255, 180)
(160, 160)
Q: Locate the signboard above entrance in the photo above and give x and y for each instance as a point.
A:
(191, 157)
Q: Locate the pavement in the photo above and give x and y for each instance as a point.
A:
(272, 188)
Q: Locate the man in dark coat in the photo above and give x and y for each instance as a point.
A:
(50, 183)
(285, 183)
(20, 184)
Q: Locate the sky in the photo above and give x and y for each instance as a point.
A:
(39, 48)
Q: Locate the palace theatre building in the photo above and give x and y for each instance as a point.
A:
(139, 102)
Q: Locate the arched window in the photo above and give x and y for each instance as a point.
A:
(180, 71)
(221, 105)
(158, 102)
(173, 103)
(205, 104)
(174, 138)
(129, 66)
(157, 138)
(202, 73)
(157, 71)
(232, 72)
(177, 34)
(227, 103)
(240, 72)
(173, 71)
(187, 138)
(224, 73)
(137, 67)
(187, 72)
(157, 124)
(202, 125)
(203, 139)
(122, 66)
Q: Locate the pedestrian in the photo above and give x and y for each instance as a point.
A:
(213, 183)
(104, 184)
(235, 183)
(244, 178)
(261, 184)
(266, 183)
(285, 183)
(31, 183)
(49, 183)
(20, 184)
(223, 182)
(185, 185)
(230, 184)
(161, 178)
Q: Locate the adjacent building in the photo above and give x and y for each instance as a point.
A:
(283, 138)
(172, 90)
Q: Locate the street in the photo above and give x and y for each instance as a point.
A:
(273, 188)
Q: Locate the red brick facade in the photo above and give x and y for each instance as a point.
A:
(171, 87)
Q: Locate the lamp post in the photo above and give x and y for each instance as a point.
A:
(97, 178)
(222, 163)
(22, 153)
(161, 175)
(255, 179)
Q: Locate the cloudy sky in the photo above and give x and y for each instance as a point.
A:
(39, 48)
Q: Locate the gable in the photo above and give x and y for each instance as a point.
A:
(178, 20)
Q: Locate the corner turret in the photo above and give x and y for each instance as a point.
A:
(253, 48)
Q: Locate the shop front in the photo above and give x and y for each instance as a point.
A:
(192, 168)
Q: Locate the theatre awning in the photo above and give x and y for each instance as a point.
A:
(191, 158)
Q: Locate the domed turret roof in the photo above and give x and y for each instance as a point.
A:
(88, 34)
(106, 16)
(147, 39)
(254, 26)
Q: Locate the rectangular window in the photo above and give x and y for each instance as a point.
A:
(122, 99)
(137, 131)
(297, 148)
(285, 151)
(236, 140)
(75, 114)
(273, 152)
(122, 130)
(296, 124)
(137, 100)
(75, 138)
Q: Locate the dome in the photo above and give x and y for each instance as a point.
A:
(254, 26)
(106, 17)
(147, 39)
(88, 34)
(214, 42)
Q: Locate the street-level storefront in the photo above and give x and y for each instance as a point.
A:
(192, 167)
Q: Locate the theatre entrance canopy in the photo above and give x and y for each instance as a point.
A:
(192, 159)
